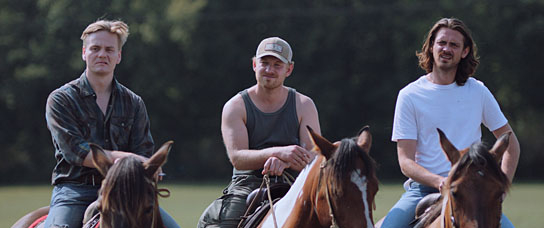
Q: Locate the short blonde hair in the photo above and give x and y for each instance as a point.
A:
(118, 27)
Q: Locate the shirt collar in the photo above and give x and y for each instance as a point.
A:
(86, 90)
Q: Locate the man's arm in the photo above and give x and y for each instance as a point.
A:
(511, 156)
(308, 116)
(406, 149)
(236, 141)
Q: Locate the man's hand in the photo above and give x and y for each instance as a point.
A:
(441, 184)
(295, 155)
(274, 166)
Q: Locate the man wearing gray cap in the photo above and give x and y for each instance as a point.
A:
(264, 132)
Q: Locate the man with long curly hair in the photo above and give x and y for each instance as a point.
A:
(447, 97)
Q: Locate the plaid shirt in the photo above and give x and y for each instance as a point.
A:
(75, 120)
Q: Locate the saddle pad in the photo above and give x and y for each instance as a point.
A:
(94, 222)
(38, 222)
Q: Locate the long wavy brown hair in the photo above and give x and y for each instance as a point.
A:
(467, 66)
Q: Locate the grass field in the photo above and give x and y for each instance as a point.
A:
(524, 206)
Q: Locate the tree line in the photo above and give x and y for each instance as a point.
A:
(186, 58)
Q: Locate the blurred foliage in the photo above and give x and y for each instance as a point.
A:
(186, 58)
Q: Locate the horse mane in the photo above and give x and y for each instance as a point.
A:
(125, 187)
(478, 156)
(344, 164)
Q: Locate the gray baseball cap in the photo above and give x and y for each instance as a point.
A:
(276, 47)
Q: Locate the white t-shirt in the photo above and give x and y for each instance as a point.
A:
(458, 111)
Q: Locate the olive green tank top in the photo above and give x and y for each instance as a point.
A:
(264, 130)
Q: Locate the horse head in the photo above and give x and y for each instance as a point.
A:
(128, 195)
(347, 183)
(473, 192)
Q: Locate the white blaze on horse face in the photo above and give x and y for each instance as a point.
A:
(360, 182)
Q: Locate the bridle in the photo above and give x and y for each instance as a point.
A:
(447, 209)
(322, 166)
(162, 192)
(447, 213)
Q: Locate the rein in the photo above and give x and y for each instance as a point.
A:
(447, 212)
(266, 179)
(162, 192)
(322, 166)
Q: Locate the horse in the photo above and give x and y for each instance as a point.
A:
(336, 189)
(128, 196)
(472, 194)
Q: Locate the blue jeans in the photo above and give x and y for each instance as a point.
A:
(403, 212)
(69, 201)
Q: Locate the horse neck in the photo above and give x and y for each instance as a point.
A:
(284, 208)
(304, 212)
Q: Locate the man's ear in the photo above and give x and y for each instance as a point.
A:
(465, 52)
(290, 68)
(119, 55)
(83, 53)
(254, 63)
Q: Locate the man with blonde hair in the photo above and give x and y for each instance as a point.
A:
(94, 108)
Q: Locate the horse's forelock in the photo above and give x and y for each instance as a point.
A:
(344, 163)
(479, 157)
(125, 190)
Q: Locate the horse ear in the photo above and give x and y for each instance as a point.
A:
(449, 149)
(500, 146)
(158, 159)
(321, 144)
(364, 140)
(101, 160)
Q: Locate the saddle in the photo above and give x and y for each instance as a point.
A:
(258, 205)
(424, 206)
(91, 217)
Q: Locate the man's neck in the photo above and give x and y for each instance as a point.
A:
(100, 83)
(441, 77)
(269, 100)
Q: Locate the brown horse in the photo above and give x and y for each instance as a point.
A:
(473, 192)
(336, 189)
(128, 195)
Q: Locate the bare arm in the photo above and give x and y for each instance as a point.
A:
(308, 116)
(511, 156)
(406, 150)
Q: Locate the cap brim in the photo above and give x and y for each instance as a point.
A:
(283, 59)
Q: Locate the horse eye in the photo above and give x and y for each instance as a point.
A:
(453, 192)
(148, 210)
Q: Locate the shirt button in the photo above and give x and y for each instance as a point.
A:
(123, 124)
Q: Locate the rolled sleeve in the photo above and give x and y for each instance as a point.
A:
(65, 131)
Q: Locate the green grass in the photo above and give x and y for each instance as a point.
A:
(524, 206)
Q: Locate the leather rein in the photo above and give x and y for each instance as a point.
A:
(162, 192)
(322, 166)
(447, 213)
